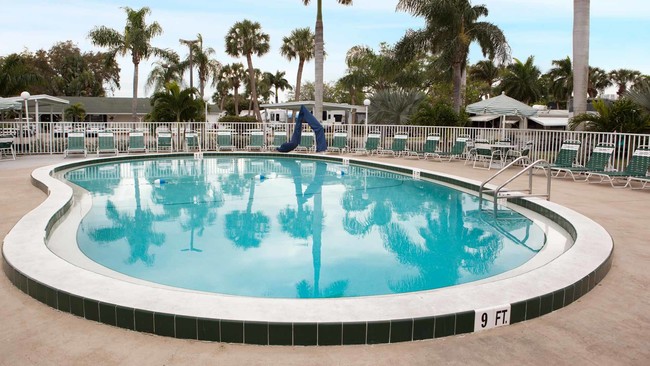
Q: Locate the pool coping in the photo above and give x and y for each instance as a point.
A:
(367, 320)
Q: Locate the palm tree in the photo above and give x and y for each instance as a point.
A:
(580, 55)
(598, 81)
(76, 112)
(561, 80)
(521, 81)
(621, 116)
(208, 68)
(394, 106)
(234, 74)
(450, 27)
(245, 38)
(623, 77)
(278, 82)
(319, 55)
(164, 71)
(640, 95)
(487, 73)
(299, 44)
(174, 103)
(136, 40)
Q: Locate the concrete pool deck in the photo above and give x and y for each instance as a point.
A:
(609, 325)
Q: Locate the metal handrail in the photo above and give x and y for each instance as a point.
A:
(528, 169)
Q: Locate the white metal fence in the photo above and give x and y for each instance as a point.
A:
(51, 138)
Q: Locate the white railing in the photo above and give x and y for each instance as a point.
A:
(50, 138)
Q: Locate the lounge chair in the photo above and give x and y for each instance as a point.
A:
(339, 142)
(256, 141)
(398, 146)
(76, 144)
(483, 152)
(372, 144)
(307, 140)
(457, 150)
(428, 149)
(164, 141)
(279, 138)
(224, 141)
(106, 143)
(7, 146)
(636, 170)
(192, 141)
(597, 162)
(136, 142)
(566, 156)
(525, 152)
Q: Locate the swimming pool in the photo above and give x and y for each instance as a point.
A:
(87, 289)
(292, 228)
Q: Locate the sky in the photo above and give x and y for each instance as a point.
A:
(619, 34)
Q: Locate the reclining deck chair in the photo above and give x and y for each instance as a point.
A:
(565, 157)
(636, 169)
(372, 144)
(428, 149)
(106, 143)
(597, 162)
(256, 141)
(164, 141)
(279, 138)
(307, 141)
(76, 144)
(7, 146)
(457, 150)
(224, 141)
(397, 146)
(136, 142)
(192, 141)
(339, 142)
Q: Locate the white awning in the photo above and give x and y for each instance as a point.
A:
(484, 117)
(551, 121)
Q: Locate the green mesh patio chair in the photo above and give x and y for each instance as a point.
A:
(428, 149)
(256, 141)
(136, 142)
(397, 146)
(339, 142)
(164, 142)
(484, 152)
(106, 143)
(597, 162)
(7, 146)
(192, 141)
(636, 169)
(566, 156)
(76, 144)
(372, 144)
(279, 138)
(307, 141)
(525, 151)
(457, 150)
(224, 141)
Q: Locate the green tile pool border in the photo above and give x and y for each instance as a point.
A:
(306, 334)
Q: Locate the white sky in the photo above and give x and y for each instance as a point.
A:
(620, 32)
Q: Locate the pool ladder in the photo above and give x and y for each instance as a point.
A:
(499, 192)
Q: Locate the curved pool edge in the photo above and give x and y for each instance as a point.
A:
(34, 269)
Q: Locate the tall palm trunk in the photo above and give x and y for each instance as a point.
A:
(318, 105)
(580, 55)
(236, 97)
(134, 101)
(457, 77)
(251, 75)
(301, 63)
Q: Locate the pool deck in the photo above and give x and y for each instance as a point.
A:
(610, 325)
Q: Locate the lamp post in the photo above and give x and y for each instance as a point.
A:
(25, 95)
(366, 102)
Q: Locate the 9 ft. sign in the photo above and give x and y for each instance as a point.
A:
(492, 317)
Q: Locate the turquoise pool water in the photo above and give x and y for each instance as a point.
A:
(287, 228)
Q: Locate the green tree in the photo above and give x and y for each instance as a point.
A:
(598, 81)
(320, 54)
(135, 40)
(278, 82)
(521, 81)
(620, 116)
(394, 106)
(437, 114)
(299, 44)
(75, 112)
(246, 38)
(233, 74)
(624, 78)
(561, 76)
(176, 105)
(486, 73)
(17, 75)
(208, 68)
(165, 71)
(640, 94)
(580, 79)
(451, 26)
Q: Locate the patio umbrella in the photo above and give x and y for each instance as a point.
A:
(502, 105)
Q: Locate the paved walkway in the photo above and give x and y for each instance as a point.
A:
(608, 326)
